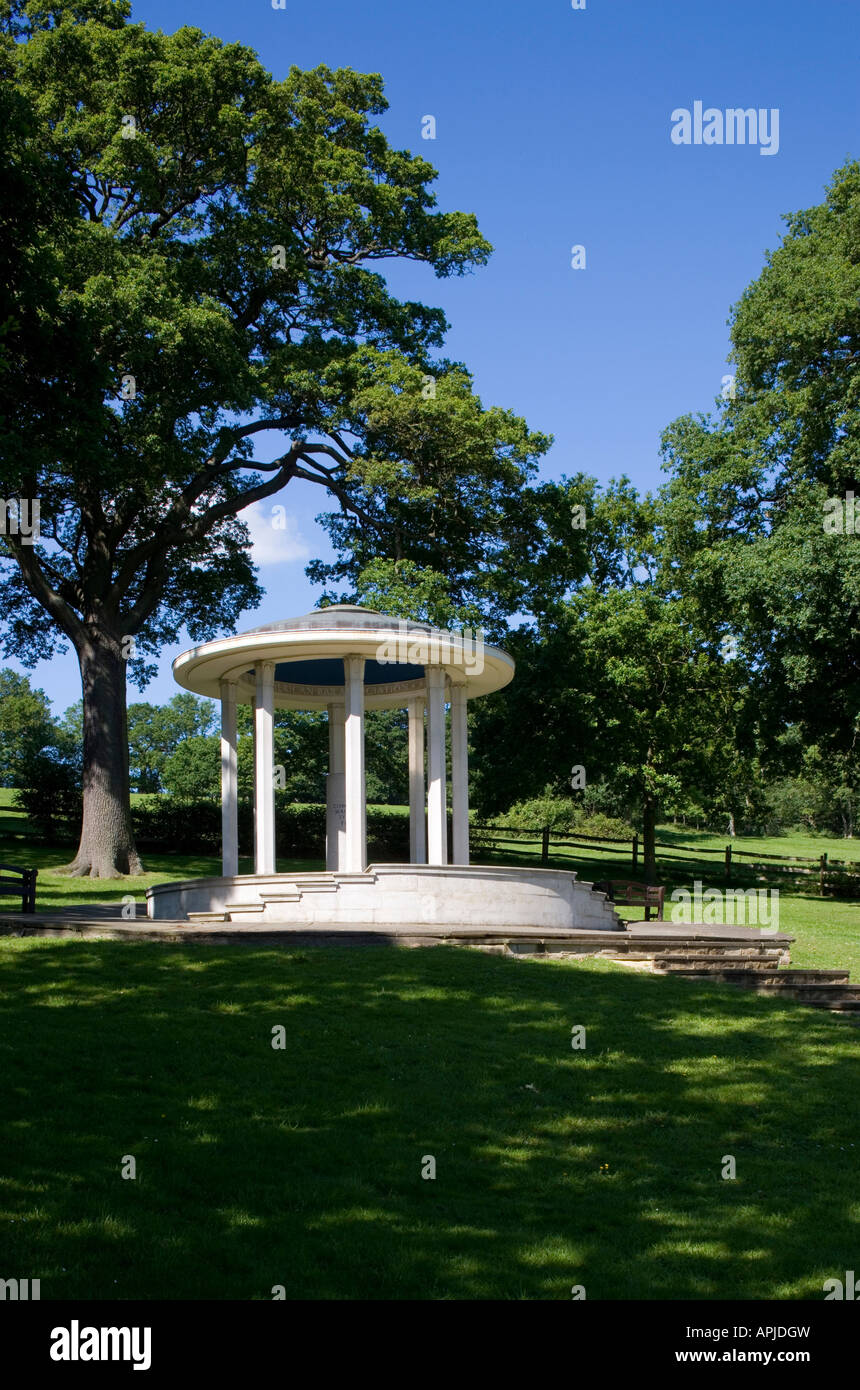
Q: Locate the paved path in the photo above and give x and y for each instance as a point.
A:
(103, 921)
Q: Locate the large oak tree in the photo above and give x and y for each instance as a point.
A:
(202, 286)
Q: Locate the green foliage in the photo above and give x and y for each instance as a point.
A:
(563, 815)
(156, 732)
(745, 521)
(185, 826)
(598, 825)
(438, 481)
(26, 724)
(558, 812)
(48, 789)
(206, 243)
(193, 772)
(237, 312)
(386, 740)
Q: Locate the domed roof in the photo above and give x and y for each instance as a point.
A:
(340, 615)
(308, 658)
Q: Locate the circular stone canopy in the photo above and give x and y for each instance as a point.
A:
(308, 656)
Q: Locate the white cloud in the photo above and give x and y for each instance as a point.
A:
(275, 536)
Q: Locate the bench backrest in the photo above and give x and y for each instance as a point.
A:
(19, 881)
(621, 890)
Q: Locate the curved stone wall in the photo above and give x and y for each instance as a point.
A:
(392, 894)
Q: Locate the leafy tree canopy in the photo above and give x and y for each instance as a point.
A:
(208, 261)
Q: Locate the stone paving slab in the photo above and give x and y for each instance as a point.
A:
(103, 921)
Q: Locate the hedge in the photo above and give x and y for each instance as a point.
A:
(194, 827)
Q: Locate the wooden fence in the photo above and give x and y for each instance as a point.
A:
(831, 874)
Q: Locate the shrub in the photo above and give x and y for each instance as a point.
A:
(558, 812)
(48, 789)
(600, 827)
(187, 827)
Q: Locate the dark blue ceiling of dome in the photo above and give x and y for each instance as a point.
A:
(329, 671)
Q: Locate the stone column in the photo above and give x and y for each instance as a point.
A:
(335, 821)
(417, 802)
(229, 782)
(354, 799)
(459, 774)
(264, 769)
(437, 811)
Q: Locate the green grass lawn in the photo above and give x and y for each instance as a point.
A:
(55, 891)
(302, 1167)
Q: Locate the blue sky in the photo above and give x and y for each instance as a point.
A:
(553, 126)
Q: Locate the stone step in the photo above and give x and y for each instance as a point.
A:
(204, 917)
(324, 884)
(681, 960)
(824, 993)
(721, 952)
(810, 991)
(687, 961)
(645, 948)
(812, 977)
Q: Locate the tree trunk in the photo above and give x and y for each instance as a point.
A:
(107, 848)
(649, 835)
(732, 824)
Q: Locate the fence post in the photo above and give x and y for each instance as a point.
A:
(728, 863)
(544, 846)
(822, 874)
(635, 852)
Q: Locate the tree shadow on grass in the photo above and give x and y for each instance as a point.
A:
(302, 1166)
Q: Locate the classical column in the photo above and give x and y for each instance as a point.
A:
(335, 821)
(229, 782)
(437, 811)
(417, 803)
(459, 774)
(354, 798)
(264, 769)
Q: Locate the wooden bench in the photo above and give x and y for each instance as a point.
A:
(619, 890)
(21, 883)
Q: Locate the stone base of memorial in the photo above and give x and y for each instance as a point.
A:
(394, 895)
